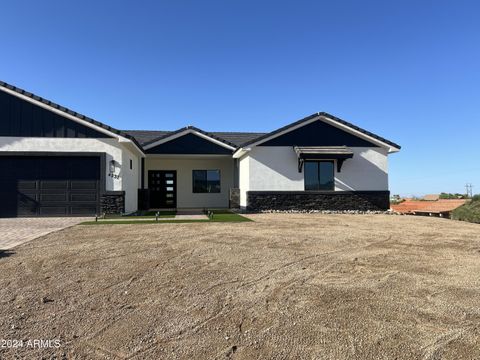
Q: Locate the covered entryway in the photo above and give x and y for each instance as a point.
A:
(47, 185)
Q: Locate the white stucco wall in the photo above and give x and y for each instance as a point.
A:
(271, 168)
(244, 178)
(184, 166)
(114, 150)
(367, 170)
(130, 179)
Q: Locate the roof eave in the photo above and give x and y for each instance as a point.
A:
(70, 114)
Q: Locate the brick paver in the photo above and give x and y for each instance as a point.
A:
(16, 231)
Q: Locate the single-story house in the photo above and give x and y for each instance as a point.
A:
(57, 162)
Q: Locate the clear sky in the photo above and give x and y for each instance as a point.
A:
(406, 70)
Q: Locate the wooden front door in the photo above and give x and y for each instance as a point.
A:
(162, 185)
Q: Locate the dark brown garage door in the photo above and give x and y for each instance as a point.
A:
(49, 186)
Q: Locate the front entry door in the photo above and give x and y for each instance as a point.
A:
(163, 189)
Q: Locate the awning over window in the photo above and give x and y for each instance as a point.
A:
(339, 153)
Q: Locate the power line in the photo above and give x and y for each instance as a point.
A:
(469, 189)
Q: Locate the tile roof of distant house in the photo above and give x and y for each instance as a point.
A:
(419, 206)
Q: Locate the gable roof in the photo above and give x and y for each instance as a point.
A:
(188, 130)
(146, 136)
(318, 116)
(65, 111)
(236, 138)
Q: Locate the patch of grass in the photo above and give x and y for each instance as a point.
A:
(142, 222)
(218, 216)
(143, 215)
(469, 212)
(227, 216)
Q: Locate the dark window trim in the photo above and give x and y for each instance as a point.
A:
(206, 171)
(333, 173)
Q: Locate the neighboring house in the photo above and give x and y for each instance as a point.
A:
(440, 208)
(431, 197)
(56, 162)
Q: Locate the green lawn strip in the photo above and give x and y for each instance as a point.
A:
(143, 215)
(221, 216)
(228, 217)
(128, 222)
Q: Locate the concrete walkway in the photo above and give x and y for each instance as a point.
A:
(16, 231)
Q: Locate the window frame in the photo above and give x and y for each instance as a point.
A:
(319, 174)
(206, 181)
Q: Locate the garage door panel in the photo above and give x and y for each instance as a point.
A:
(26, 184)
(83, 185)
(53, 169)
(54, 185)
(87, 197)
(27, 204)
(85, 169)
(45, 198)
(53, 210)
(83, 210)
(49, 186)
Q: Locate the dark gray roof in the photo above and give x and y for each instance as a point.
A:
(68, 111)
(346, 123)
(145, 137)
(240, 139)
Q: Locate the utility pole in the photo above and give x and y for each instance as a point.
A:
(469, 189)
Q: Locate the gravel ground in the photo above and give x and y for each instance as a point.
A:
(285, 286)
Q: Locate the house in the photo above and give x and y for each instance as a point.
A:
(57, 162)
(438, 208)
(431, 197)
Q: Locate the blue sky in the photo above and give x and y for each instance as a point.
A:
(406, 70)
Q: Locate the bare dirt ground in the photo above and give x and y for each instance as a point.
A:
(284, 286)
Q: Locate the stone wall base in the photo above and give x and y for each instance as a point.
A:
(260, 201)
(112, 202)
(234, 202)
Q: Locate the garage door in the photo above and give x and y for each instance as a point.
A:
(49, 186)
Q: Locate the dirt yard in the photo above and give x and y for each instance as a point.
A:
(283, 287)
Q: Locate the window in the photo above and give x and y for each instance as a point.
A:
(319, 175)
(131, 164)
(206, 181)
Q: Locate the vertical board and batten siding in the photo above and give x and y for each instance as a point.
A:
(21, 118)
(27, 127)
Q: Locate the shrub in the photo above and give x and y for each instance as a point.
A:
(469, 212)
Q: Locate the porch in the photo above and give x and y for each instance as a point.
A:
(187, 182)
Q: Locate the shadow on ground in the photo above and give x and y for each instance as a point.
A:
(6, 253)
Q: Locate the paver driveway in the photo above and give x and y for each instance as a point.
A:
(16, 231)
